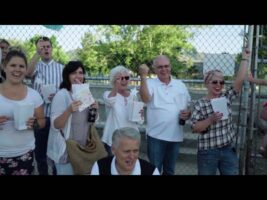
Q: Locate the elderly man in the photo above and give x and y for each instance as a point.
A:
(125, 148)
(167, 101)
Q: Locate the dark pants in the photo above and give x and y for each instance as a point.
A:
(41, 138)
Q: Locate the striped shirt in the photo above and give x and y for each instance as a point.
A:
(47, 73)
(219, 134)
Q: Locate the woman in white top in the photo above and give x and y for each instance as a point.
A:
(66, 118)
(116, 103)
(16, 146)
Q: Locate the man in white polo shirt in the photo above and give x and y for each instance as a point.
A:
(167, 101)
(44, 72)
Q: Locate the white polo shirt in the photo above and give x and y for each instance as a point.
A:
(164, 108)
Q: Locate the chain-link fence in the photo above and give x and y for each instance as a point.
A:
(193, 50)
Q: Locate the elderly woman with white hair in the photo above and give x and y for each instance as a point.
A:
(116, 103)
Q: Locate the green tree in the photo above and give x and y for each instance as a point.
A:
(132, 45)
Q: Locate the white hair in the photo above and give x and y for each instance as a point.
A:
(116, 70)
(126, 132)
(159, 57)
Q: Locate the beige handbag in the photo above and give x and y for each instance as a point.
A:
(81, 157)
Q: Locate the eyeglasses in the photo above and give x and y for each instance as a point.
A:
(216, 82)
(163, 66)
(124, 77)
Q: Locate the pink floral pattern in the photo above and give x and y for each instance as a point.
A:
(21, 165)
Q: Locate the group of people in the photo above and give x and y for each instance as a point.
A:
(167, 101)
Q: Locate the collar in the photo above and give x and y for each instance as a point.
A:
(49, 63)
(164, 84)
(136, 169)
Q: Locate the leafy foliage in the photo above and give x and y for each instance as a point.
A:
(132, 45)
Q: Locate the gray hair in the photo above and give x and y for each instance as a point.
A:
(126, 132)
(116, 70)
(158, 58)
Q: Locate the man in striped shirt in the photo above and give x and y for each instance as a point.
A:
(44, 72)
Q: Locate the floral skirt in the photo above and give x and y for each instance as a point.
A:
(20, 165)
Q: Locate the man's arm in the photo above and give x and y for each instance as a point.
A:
(144, 93)
(36, 57)
(257, 81)
(32, 64)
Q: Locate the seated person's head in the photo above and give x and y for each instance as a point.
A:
(125, 147)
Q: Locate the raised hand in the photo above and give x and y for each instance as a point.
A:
(143, 70)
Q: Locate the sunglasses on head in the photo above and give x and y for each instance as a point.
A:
(124, 77)
(216, 82)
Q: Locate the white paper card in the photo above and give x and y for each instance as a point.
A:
(220, 105)
(47, 90)
(22, 113)
(134, 111)
(82, 93)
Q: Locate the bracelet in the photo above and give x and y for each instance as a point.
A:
(244, 59)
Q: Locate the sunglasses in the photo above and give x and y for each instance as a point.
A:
(216, 82)
(124, 77)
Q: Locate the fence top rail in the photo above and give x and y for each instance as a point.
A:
(136, 79)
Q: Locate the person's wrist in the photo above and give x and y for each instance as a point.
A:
(211, 121)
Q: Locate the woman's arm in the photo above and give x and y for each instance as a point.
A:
(201, 126)
(61, 120)
(40, 117)
(241, 75)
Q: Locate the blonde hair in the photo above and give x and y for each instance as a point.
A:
(209, 74)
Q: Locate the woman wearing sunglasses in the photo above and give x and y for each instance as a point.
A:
(216, 135)
(116, 103)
